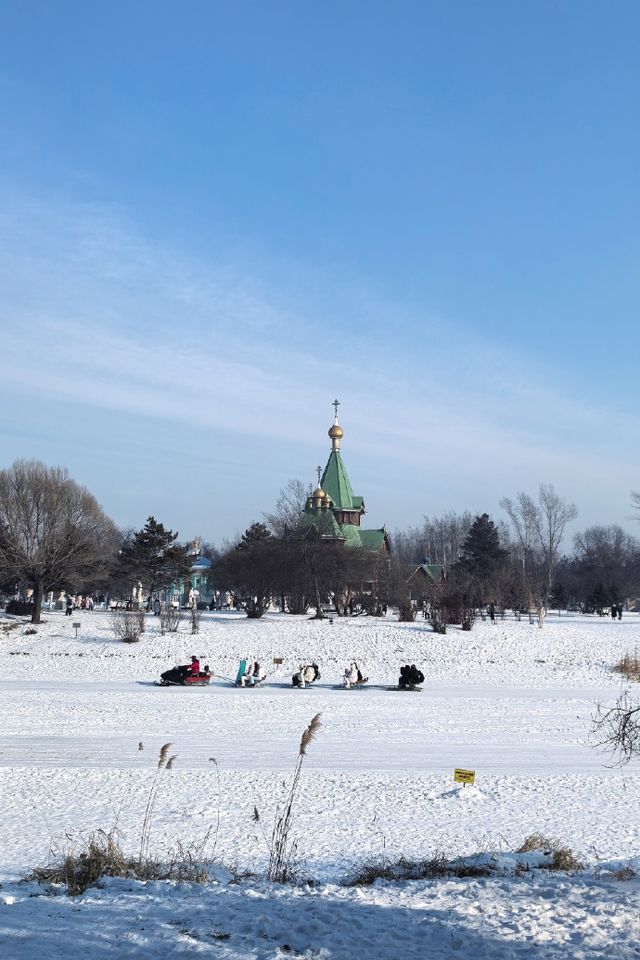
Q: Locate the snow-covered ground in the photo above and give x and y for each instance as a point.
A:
(82, 724)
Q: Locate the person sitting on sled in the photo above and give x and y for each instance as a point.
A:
(307, 673)
(410, 676)
(253, 675)
(351, 675)
(194, 667)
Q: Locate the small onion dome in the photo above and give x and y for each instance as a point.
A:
(319, 494)
(336, 432)
(326, 501)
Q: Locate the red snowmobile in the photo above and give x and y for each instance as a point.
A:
(183, 677)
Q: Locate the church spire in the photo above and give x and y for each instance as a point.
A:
(336, 432)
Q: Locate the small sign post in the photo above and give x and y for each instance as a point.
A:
(76, 627)
(464, 776)
(278, 660)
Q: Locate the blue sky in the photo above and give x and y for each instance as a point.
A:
(216, 217)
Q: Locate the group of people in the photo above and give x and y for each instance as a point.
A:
(616, 611)
(77, 603)
(410, 677)
(253, 673)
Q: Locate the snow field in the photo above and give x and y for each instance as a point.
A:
(509, 700)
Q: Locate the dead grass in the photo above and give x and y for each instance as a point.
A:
(624, 873)
(562, 858)
(629, 666)
(283, 864)
(80, 867)
(437, 867)
(87, 861)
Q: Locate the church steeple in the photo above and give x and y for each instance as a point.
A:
(332, 510)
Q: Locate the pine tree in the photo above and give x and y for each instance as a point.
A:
(482, 554)
(154, 558)
(255, 534)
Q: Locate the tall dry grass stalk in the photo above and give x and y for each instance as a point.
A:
(283, 850)
(165, 762)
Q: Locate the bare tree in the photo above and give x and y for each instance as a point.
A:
(439, 540)
(555, 514)
(538, 529)
(53, 532)
(288, 509)
(617, 728)
(635, 501)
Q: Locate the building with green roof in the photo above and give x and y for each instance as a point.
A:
(333, 512)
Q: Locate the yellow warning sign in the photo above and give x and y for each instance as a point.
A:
(464, 776)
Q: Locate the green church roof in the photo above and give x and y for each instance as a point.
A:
(336, 483)
(324, 522)
(372, 539)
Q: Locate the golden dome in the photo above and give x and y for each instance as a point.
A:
(319, 493)
(336, 432)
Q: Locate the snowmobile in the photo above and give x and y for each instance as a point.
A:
(182, 677)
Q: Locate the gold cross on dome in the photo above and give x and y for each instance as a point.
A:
(319, 472)
(336, 404)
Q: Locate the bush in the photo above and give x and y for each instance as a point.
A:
(127, 625)
(100, 855)
(562, 858)
(629, 666)
(20, 608)
(170, 619)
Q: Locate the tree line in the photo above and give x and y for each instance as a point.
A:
(55, 536)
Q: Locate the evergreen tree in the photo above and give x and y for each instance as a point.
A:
(482, 556)
(255, 534)
(251, 570)
(153, 557)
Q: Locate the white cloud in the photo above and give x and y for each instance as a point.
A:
(97, 316)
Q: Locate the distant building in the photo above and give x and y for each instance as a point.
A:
(333, 513)
(196, 585)
(423, 578)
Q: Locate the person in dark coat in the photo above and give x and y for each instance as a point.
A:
(410, 676)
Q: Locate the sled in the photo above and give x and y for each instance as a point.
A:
(242, 669)
(352, 686)
(412, 687)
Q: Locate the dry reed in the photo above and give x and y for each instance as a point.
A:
(282, 853)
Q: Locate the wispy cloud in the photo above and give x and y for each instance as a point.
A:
(96, 315)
